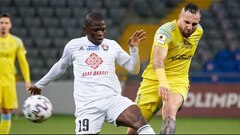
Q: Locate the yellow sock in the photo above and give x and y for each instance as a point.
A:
(5, 124)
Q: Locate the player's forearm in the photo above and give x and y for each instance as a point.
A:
(55, 72)
(133, 64)
(24, 68)
(158, 65)
(161, 75)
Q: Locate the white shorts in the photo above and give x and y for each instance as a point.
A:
(90, 119)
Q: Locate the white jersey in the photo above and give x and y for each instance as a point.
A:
(94, 69)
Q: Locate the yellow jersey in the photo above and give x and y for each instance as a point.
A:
(11, 47)
(180, 52)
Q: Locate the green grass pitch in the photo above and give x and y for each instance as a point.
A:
(64, 124)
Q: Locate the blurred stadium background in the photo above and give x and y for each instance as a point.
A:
(47, 25)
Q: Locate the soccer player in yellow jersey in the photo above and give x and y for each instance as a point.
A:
(165, 80)
(11, 47)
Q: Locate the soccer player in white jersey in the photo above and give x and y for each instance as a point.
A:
(97, 90)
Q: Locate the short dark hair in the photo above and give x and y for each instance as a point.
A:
(192, 8)
(93, 16)
(5, 15)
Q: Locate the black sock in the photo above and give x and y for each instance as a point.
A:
(168, 126)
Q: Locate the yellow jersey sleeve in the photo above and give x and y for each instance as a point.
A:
(162, 38)
(21, 55)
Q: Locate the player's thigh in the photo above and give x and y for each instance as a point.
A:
(147, 98)
(117, 105)
(175, 100)
(89, 121)
(180, 89)
(9, 97)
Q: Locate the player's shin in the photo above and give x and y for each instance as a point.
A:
(5, 124)
(146, 129)
(168, 126)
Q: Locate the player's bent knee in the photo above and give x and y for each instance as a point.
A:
(138, 121)
(136, 118)
(131, 117)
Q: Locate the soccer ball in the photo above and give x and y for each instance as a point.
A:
(37, 108)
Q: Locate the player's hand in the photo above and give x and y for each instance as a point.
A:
(164, 91)
(27, 85)
(34, 90)
(136, 38)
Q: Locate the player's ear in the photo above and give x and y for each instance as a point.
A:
(84, 28)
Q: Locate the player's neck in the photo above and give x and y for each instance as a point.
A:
(3, 34)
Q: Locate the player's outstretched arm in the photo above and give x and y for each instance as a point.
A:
(133, 64)
(136, 38)
(56, 71)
